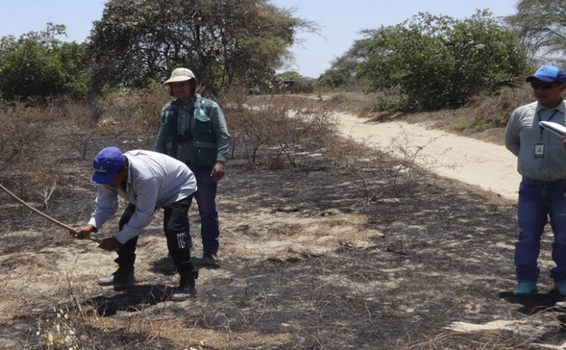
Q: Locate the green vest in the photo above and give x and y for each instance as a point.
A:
(204, 139)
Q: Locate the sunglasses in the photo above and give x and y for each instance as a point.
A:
(545, 85)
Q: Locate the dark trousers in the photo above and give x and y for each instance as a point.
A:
(177, 232)
(206, 200)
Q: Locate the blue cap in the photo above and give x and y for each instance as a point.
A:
(106, 164)
(548, 73)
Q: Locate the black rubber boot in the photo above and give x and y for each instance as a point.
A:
(186, 287)
(120, 279)
(209, 260)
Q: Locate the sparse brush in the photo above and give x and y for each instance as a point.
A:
(25, 165)
(151, 101)
(494, 111)
(358, 249)
(79, 126)
(278, 127)
(404, 162)
(22, 128)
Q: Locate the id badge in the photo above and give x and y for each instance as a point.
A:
(539, 150)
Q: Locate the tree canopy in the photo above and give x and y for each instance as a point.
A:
(542, 28)
(221, 41)
(342, 72)
(41, 66)
(439, 62)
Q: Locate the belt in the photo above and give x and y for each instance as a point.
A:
(545, 181)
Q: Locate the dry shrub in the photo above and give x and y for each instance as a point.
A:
(118, 110)
(151, 102)
(276, 128)
(21, 130)
(79, 126)
(348, 152)
(484, 117)
(287, 130)
(276, 163)
(37, 180)
(234, 106)
(383, 170)
(25, 166)
(128, 111)
(494, 111)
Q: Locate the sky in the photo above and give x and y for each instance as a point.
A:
(339, 21)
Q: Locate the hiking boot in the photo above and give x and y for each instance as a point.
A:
(560, 287)
(209, 260)
(526, 288)
(186, 288)
(118, 279)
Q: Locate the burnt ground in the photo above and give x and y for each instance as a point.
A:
(372, 255)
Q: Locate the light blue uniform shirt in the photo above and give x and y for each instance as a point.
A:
(523, 133)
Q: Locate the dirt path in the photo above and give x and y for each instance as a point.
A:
(490, 166)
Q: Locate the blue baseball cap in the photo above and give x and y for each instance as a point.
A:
(548, 73)
(106, 164)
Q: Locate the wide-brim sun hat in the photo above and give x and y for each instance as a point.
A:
(180, 74)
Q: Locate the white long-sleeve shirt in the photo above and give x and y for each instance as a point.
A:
(155, 180)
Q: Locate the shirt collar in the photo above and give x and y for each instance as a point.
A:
(559, 108)
(188, 104)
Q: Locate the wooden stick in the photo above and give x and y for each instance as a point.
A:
(58, 223)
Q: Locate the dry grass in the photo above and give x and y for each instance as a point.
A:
(340, 248)
(274, 131)
(484, 118)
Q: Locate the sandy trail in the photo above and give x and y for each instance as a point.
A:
(490, 166)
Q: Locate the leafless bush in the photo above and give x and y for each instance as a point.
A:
(390, 169)
(79, 126)
(23, 163)
(21, 130)
(118, 109)
(410, 159)
(234, 106)
(278, 127)
(281, 129)
(486, 112)
(499, 108)
(122, 112)
(151, 102)
(129, 112)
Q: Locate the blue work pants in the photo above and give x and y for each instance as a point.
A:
(206, 200)
(538, 202)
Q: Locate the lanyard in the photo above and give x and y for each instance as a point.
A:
(541, 128)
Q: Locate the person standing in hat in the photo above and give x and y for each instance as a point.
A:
(148, 181)
(541, 160)
(193, 130)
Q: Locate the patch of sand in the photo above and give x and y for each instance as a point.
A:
(490, 166)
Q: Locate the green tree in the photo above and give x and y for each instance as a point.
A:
(294, 82)
(439, 62)
(542, 28)
(38, 65)
(342, 72)
(221, 41)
